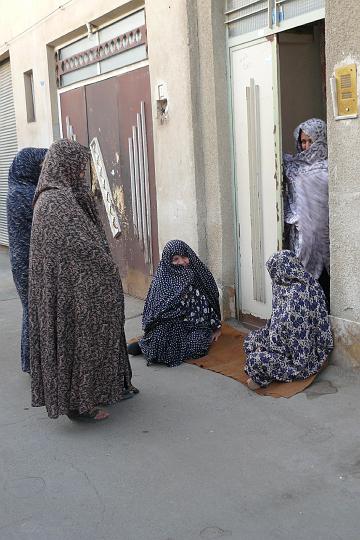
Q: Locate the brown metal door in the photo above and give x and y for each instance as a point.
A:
(73, 115)
(112, 108)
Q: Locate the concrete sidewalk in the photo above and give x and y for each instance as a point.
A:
(194, 456)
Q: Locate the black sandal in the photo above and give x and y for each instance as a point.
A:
(134, 349)
(129, 393)
(86, 416)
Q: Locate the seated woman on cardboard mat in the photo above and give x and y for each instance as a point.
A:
(182, 313)
(297, 340)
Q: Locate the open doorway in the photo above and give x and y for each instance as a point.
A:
(302, 78)
(302, 81)
(277, 82)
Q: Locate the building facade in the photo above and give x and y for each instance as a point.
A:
(188, 106)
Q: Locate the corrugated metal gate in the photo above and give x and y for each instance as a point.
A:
(114, 115)
(8, 142)
(109, 110)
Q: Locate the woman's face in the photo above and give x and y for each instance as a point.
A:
(179, 260)
(305, 141)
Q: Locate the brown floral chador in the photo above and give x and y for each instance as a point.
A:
(76, 304)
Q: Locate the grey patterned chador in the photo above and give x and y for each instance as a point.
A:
(76, 304)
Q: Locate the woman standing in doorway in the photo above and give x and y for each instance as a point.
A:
(306, 208)
(76, 303)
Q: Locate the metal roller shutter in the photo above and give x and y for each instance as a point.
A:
(8, 142)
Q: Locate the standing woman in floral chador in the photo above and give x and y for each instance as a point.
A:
(23, 178)
(76, 303)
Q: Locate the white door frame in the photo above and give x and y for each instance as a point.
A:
(264, 306)
(294, 22)
(233, 44)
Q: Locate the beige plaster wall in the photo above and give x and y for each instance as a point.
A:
(169, 53)
(214, 119)
(187, 51)
(27, 29)
(343, 47)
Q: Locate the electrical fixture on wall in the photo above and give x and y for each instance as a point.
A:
(91, 28)
(162, 106)
(343, 85)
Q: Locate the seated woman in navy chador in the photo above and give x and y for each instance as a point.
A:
(182, 313)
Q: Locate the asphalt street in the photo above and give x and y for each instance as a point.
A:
(195, 456)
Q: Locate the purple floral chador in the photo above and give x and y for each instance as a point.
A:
(297, 339)
(78, 352)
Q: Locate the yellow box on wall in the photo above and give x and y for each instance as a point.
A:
(346, 90)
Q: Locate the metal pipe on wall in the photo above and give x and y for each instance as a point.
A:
(133, 187)
(142, 187)
(147, 185)
(137, 184)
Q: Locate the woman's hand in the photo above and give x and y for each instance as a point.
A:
(216, 335)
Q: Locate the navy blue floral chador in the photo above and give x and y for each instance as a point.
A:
(296, 341)
(23, 178)
(181, 310)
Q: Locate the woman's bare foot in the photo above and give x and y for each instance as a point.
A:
(216, 335)
(101, 414)
(96, 415)
(252, 385)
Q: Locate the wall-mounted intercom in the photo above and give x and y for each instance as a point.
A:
(343, 85)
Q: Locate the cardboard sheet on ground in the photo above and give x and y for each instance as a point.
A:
(227, 357)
